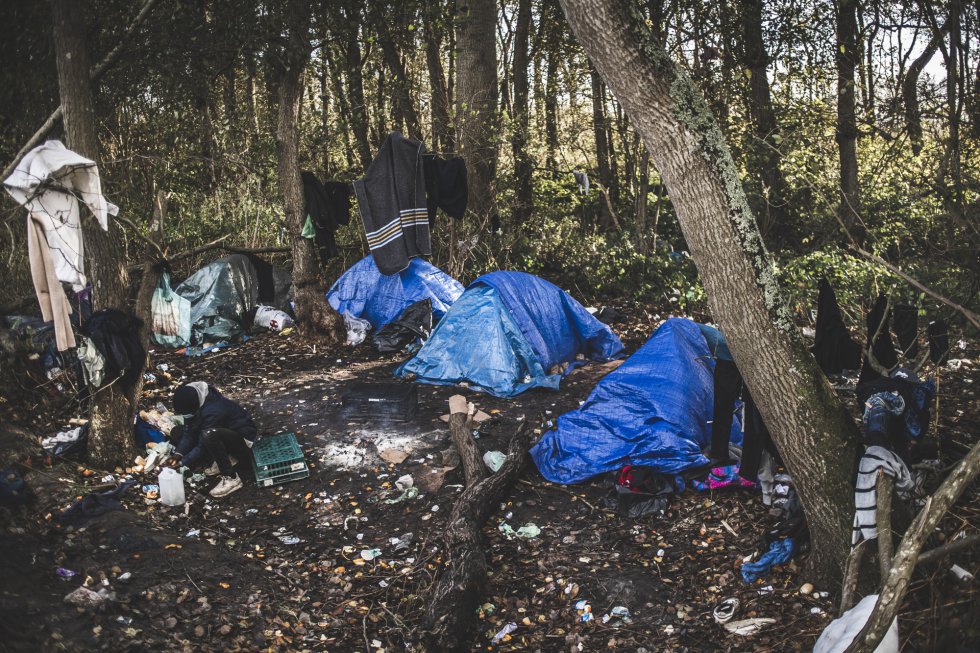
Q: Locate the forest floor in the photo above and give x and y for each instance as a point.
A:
(280, 568)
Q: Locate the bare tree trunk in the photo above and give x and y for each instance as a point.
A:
(847, 131)
(910, 88)
(814, 433)
(642, 190)
(476, 102)
(111, 414)
(442, 132)
(765, 150)
(314, 316)
(401, 84)
(523, 166)
(355, 87)
(601, 142)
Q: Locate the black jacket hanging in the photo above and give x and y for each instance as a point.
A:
(445, 186)
(882, 348)
(833, 347)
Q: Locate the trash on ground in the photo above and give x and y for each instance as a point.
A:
(504, 632)
(746, 627)
(494, 460)
(725, 610)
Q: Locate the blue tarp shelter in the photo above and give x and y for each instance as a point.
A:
(504, 335)
(366, 293)
(653, 410)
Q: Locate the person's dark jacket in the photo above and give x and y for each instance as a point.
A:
(217, 412)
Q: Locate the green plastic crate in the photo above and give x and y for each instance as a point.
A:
(278, 459)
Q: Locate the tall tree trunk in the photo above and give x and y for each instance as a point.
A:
(551, 110)
(765, 150)
(601, 134)
(523, 166)
(401, 84)
(442, 133)
(811, 428)
(953, 104)
(111, 413)
(314, 316)
(476, 102)
(355, 87)
(849, 208)
(642, 191)
(910, 88)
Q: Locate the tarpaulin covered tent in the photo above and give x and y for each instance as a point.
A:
(506, 333)
(364, 292)
(653, 410)
(223, 293)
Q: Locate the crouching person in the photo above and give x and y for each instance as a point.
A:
(214, 428)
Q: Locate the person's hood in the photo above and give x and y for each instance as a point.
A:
(202, 391)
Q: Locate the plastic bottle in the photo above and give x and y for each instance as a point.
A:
(171, 487)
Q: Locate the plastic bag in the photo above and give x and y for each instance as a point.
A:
(357, 329)
(171, 315)
(270, 318)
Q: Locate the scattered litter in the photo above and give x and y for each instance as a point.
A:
(86, 598)
(405, 482)
(486, 610)
(779, 552)
(401, 543)
(584, 610)
(620, 612)
(394, 456)
(960, 574)
(746, 627)
(125, 576)
(65, 573)
(194, 532)
(494, 460)
(839, 633)
(370, 554)
(725, 610)
(124, 620)
(526, 532)
(289, 539)
(252, 511)
(407, 493)
(504, 632)
(766, 589)
(807, 588)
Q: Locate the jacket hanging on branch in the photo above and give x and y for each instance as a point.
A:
(49, 181)
(391, 201)
(833, 347)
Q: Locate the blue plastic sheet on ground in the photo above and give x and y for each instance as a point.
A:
(653, 410)
(779, 552)
(504, 334)
(366, 293)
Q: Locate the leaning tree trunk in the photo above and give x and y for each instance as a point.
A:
(314, 316)
(476, 102)
(111, 413)
(812, 430)
(849, 207)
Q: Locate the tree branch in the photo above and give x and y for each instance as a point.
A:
(94, 75)
(897, 583)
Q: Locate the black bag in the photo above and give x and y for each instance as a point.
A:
(414, 323)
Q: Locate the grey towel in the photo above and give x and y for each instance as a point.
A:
(865, 496)
(391, 201)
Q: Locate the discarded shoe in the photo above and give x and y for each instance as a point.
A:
(226, 486)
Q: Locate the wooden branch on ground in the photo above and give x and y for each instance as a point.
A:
(451, 613)
(94, 75)
(907, 555)
(474, 470)
(884, 489)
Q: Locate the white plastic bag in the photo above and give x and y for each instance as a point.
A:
(840, 632)
(270, 318)
(357, 329)
(171, 315)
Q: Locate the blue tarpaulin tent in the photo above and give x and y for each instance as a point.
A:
(366, 293)
(505, 334)
(653, 410)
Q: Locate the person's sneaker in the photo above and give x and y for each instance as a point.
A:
(226, 486)
(213, 470)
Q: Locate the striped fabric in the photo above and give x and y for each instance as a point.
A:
(865, 496)
(391, 201)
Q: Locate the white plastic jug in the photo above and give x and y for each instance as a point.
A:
(171, 487)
